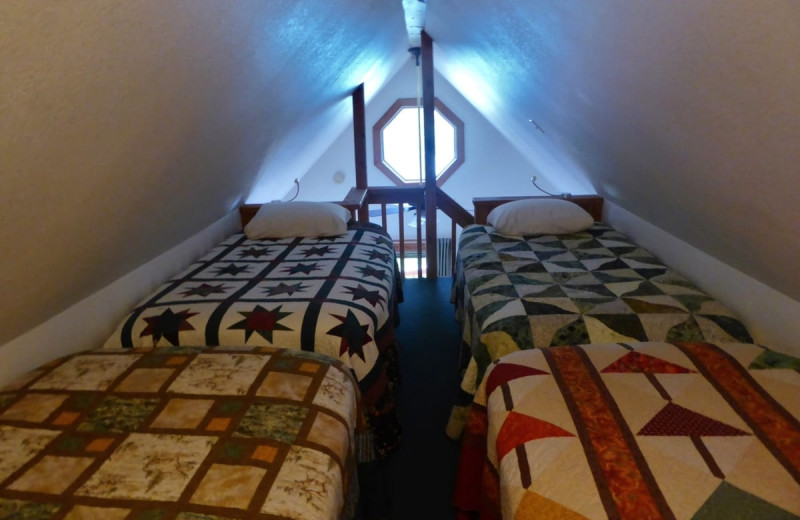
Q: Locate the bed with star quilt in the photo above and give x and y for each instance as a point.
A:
(594, 286)
(333, 295)
(181, 433)
(648, 430)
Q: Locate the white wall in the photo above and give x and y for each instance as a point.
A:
(126, 127)
(492, 166)
(772, 317)
(88, 323)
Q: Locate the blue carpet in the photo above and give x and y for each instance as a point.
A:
(416, 482)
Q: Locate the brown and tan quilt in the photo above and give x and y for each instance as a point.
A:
(333, 295)
(179, 433)
(650, 430)
(595, 286)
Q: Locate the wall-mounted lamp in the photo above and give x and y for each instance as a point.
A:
(297, 183)
(536, 126)
(563, 195)
(296, 193)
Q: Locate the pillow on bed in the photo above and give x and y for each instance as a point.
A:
(536, 216)
(298, 219)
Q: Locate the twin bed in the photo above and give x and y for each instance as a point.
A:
(181, 433)
(248, 386)
(333, 295)
(599, 383)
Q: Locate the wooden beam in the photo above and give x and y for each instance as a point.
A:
(360, 141)
(428, 101)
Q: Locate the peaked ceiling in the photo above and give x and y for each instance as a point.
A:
(126, 127)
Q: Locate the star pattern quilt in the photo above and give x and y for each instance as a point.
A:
(333, 295)
(181, 433)
(649, 430)
(595, 286)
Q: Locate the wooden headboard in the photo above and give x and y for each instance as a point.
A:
(593, 204)
(355, 199)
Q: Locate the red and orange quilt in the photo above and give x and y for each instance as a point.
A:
(180, 433)
(634, 430)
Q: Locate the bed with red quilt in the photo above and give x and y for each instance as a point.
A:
(181, 433)
(641, 430)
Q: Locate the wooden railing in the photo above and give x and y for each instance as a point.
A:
(403, 196)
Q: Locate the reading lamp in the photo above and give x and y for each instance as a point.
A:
(564, 195)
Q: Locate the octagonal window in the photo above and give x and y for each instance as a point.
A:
(396, 142)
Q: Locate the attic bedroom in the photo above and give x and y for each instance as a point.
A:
(394, 259)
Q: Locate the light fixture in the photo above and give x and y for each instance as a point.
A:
(564, 195)
(296, 193)
(415, 21)
(415, 11)
(297, 183)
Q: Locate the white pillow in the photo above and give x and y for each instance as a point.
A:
(298, 219)
(539, 216)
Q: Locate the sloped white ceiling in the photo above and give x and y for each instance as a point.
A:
(684, 113)
(126, 127)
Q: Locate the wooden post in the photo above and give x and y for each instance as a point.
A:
(428, 98)
(360, 141)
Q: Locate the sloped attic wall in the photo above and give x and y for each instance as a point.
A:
(684, 113)
(492, 165)
(129, 126)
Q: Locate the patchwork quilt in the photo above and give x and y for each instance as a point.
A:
(596, 286)
(333, 295)
(181, 433)
(650, 430)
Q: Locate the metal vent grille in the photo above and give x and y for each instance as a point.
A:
(444, 247)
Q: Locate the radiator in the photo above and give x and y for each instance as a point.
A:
(444, 248)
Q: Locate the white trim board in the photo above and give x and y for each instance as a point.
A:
(772, 317)
(70, 331)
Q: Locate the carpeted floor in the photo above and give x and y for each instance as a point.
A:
(416, 482)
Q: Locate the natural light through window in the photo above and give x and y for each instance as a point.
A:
(397, 142)
(401, 144)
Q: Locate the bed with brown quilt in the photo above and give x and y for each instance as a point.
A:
(645, 430)
(335, 295)
(181, 433)
(592, 285)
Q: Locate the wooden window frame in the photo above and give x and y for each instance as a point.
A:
(377, 139)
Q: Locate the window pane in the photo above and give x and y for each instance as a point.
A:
(445, 142)
(401, 144)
